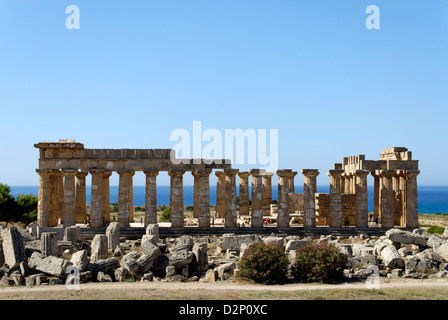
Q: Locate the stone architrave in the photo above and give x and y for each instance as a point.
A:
(362, 219)
(80, 207)
(203, 196)
(44, 197)
(125, 197)
(96, 217)
(284, 185)
(243, 202)
(309, 188)
(49, 244)
(221, 194)
(257, 198)
(69, 197)
(176, 197)
(230, 205)
(267, 192)
(13, 247)
(387, 198)
(335, 198)
(411, 198)
(151, 196)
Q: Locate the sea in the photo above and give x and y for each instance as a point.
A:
(431, 199)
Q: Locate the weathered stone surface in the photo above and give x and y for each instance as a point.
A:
(445, 233)
(210, 276)
(406, 237)
(49, 244)
(150, 249)
(103, 277)
(72, 233)
(225, 268)
(434, 241)
(200, 253)
(113, 235)
(35, 279)
(80, 260)
(107, 265)
(369, 260)
(391, 257)
(13, 247)
(179, 259)
(442, 250)
(234, 241)
(99, 248)
(278, 240)
(296, 244)
(121, 274)
(53, 265)
(170, 271)
(151, 238)
(185, 240)
(146, 261)
(153, 230)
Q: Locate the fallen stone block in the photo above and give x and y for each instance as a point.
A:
(13, 247)
(391, 257)
(53, 266)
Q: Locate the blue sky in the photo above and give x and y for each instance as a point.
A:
(137, 70)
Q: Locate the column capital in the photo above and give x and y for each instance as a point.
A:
(412, 173)
(257, 172)
(81, 174)
(335, 172)
(46, 171)
(201, 172)
(96, 171)
(125, 171)
(244, 175)
(361, 173)
(220, 174)
(385, 173)
(151, 171)
(231, 171)
(310, 172)
(176, 172)
(107, 173)
(69, 172)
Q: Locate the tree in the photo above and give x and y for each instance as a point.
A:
(7, 204)
(26, 206)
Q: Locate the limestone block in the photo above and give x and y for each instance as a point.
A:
(391, 257)
(150, 249)
(103, 277)
(210, 276)
(434, 241)
(121, 274)
(53, 265)
(107, 265)
(129, 262)
(113, 235)
(72, 234)
(99, 248)
(225, 268)
(406, 237)
(234, 242)
(296, 244)
(278, 240)
(185, 240)
(145, 262)
(178, 259)
(13, 247)
(49, 244)
(200, 252)
(80, 260)
(442, 250)
(151, 238)
(153, 229)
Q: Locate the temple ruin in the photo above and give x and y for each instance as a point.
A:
(64, 166)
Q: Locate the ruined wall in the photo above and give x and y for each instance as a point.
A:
(296, 202)
(322, 201)
(349, 207)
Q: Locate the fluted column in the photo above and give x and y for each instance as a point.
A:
(151, 196)
(335, 198)
(267, 192)
(309, 188)
(57, 201)
(230, 216)
(411, 199)
(125, 197)
(220, 194)
(376, 194)
(244, 193)
(292, 188)
(342, 179)
(96, 198)
(80, 207)
(362, 219)
(69, 197)
(387, 198)
(195, 194)
(105, 206)
(284, 188)
(44, 197)
(257, 198)
(176, 197)
(203, 196)
(402, 187)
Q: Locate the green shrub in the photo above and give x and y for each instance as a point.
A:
(189, 208)
(139, 209)
(165, 217)
(264, 263)
(436, 230)
(320, 262)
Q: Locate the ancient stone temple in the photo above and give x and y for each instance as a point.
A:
(64, 166)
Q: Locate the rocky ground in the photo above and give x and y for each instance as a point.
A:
(31, 262)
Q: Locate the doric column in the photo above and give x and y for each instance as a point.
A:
(362, 218)
(125, 197)
(376, 194)
(105, 206)
(267, 192)
(44, 197)
(284, 188)
(335, 198)
(244, 193)
(69, 197)
(80, 208)
(398, 208)
(402, 187)
(220, 193)
(195, 195)
(309, 188)
(411, 199)
(230, 217)
(151, 196)
(203, 196)
(291, 181)
(57, 195)
(347, 183)
(176, 197)
(257, 198)
(96, 198)
(342, 183)
(387, 198)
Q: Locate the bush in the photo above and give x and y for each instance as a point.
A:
(165, 215)
(436, 230)
(320, 262)
(264, 263)
(189, 208)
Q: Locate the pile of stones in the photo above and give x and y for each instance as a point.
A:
(50, 257)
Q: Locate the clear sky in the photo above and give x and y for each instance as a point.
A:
(137, 70)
